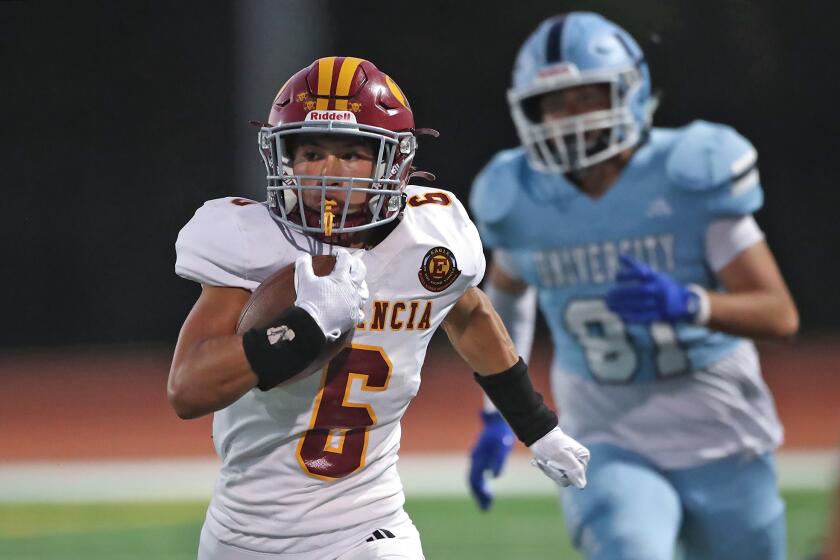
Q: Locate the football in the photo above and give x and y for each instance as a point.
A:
(275, 295)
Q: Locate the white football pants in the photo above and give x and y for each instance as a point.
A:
(399, 541)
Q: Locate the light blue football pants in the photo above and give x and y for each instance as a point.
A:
(630, 510)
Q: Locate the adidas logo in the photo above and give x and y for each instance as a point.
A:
(659, 207)
(380, 534)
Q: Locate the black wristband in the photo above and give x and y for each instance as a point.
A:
(523, 408)
(284, 348)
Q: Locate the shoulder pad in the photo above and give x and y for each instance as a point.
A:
(717, 162)
(211, 248)
(706, 155)
(446, 219)
(496, 188)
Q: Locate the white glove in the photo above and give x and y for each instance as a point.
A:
(334, 301)
(561, 458)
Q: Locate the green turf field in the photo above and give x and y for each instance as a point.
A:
(451, 529)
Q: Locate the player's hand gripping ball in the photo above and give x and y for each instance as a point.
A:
(276, 294)
(334, 301)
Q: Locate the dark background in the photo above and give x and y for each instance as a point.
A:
(119, 119)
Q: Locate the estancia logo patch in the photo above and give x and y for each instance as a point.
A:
(438, 270)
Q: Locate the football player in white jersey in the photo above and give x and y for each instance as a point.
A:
(639, 244)
(309, 461)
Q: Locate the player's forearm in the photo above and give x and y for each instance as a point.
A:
(518, 313)
(486, 346)
(759, 314)
(479, 336)
(214, 374)
(517, 310)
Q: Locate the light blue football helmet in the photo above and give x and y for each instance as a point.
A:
(570, 50)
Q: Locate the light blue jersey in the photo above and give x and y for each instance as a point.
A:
(679, 422)
(658, 211)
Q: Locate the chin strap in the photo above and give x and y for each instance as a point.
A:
(424, 175)
(426, 132)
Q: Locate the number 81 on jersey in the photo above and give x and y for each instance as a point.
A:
(606, 344)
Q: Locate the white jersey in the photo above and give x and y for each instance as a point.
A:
(308, 462)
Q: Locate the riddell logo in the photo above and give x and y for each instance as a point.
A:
(331, 116)
(558, 69)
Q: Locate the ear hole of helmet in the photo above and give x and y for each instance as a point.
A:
(531, 108)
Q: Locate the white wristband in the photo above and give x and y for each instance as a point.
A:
(704, 307)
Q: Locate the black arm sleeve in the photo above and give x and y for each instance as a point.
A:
(298, 340)
(523, 408)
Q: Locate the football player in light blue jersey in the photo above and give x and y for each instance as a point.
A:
(639, 245)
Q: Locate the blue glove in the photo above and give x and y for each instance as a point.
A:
(494, 445)
(643, 295)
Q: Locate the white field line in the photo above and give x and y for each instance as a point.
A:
(422, 475)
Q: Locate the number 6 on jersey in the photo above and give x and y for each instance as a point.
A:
(334, 446)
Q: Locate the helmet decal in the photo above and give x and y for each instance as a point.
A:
(345, 78)
(554, 45)
(395, 89)
(325, 73)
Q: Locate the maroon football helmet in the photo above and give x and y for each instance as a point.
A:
(342, 96)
